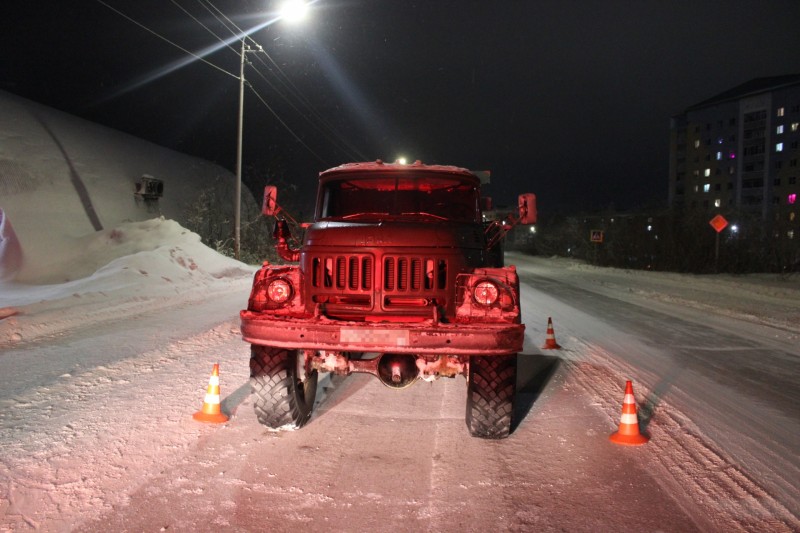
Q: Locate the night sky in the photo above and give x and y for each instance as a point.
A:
(567, 99)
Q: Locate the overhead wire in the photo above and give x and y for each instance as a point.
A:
(209, 30)
(298, 139)
(241, 35)
(332, 135)
(299, 95)
(225, 21)
(179, 47)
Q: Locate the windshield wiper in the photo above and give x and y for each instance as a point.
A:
(362, 215)
(424, 214)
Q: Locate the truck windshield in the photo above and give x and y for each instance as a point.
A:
(392, 196)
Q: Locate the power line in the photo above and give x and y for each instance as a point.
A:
(118, 12)
(330, 136)
(321, 160)
(304, 101)
(333, 136)
(209, 30)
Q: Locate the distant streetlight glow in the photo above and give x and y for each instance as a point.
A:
(402, 160)
(294, 10)
(734, 229)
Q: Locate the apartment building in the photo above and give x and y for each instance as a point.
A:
(737, 154)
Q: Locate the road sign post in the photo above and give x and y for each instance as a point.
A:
(596, 236)
(718, 223)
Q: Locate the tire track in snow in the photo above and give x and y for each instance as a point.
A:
(687, 463)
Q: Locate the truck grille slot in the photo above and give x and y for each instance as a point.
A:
(342, 272)
(414, 274)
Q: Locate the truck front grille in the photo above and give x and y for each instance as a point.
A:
(349, 281)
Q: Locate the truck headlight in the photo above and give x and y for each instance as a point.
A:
(485, 292)
(279, 290)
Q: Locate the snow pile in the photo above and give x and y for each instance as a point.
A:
(10, 251)
(131, 268)
(63, 178)
(766, 299)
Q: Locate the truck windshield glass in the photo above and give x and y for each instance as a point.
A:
(436, 197)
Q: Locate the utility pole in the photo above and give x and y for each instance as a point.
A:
(237, 200)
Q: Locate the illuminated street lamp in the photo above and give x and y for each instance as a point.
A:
(292, 11)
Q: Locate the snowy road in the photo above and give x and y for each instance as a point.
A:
(96, 431)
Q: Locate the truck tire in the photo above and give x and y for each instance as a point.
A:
(282, 400)
(492, 385)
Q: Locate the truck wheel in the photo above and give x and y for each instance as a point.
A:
(491, 386)
(283, 397)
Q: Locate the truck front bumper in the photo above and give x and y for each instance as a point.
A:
(384, 337)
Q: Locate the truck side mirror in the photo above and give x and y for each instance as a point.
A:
(527, 208)
(270, 205)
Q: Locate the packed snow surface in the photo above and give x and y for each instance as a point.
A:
(100, 375)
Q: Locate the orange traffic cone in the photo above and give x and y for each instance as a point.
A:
(550, 342)
(211, 411)
(628, 432)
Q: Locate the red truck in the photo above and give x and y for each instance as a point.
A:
(399, 276)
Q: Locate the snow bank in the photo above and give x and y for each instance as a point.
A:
(63, 178)
(767, 299)
(113, 273)
(10, 250)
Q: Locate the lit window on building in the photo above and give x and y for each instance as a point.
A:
(697, 143)
(707, 172)
(779, 129)
(719, 156)
(790, 234)
(706, 187)
(779, 147)
(717, 202)
(791, 199)
(781, 111)
(795, 126)
(732, 155)
(696, 188)
(792, 216)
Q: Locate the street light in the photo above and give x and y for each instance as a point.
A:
(293, 11)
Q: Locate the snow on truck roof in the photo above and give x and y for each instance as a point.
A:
(417, 166)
